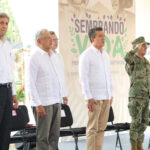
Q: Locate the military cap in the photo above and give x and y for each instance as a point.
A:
(139, 40)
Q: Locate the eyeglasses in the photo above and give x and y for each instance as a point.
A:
(55, 39)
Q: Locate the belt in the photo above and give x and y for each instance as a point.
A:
(8, 85)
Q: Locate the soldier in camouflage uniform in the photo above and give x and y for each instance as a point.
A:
(138, 69)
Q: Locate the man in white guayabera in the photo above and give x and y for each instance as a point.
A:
(8, 98)
(45, 91)
(96, 82)
(59, 64)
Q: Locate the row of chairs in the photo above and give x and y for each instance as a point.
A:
(26, 134)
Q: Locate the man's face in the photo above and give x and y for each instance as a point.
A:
(115, 5)
(54, 41)
(99, 39)
(3, 26)
(142, 49)
(45, 41)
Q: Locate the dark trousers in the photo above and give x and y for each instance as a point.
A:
(5, 116)
(48, 127)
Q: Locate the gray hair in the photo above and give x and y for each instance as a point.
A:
(39, 33)
(4, 15)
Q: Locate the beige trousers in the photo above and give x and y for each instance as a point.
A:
(97, 122)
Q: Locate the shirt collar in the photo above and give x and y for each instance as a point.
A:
(52, 52)
(95, 49)
(42, 51)
(3, 40)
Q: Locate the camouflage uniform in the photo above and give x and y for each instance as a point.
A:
(138, 70)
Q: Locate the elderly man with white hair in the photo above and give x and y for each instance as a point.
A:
(45, 91)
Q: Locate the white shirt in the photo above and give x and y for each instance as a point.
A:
(94, 73)
(59, 66)
(6, 64)
(44, 83)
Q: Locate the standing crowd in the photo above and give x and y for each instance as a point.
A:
(46, 82)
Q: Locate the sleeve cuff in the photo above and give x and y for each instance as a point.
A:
(37, 103)
(87, 97)
(13, 89)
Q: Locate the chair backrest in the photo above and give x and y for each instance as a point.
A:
(111, 115)
(66, 119)
(20, 118)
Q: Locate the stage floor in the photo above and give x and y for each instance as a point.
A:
(109, 142)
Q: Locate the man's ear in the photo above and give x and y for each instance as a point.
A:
(92, 39)
(38, 41)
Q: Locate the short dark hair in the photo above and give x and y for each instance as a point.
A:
(4, 15)
(92, 32)
(51, 32)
